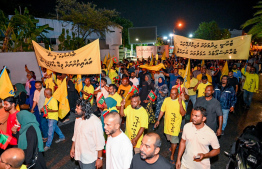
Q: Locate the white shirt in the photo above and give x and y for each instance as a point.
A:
(103, 91)
(135, 81)
(89, 139)
(119, 152)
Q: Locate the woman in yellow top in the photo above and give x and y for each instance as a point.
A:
(124, 89)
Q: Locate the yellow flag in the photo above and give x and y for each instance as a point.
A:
(155, 68)
(112, 74)
(6, 87)
(151, 62)
(187, 75)
(110, 64)
(50, 48)
(224, 70)
(105, 59)
(61, 95)
(164, 55)
(202, 63)
(79, 84)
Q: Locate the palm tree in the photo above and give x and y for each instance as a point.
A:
(255, 22)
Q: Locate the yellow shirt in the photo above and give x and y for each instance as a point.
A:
(181, 72)
(201, 89)
(52, 105)
(89, 90)
(123, 91)
(193, 83)
(173, 117)
(50, 84)
(135, 119)
(23, 167)
(117, 98)
(209, 78)
(252, 81)
(58, 82)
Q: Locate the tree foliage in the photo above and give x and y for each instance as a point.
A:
(255, 22)
(211, 31)
(159, 41)
(69, 43)
(86, 18)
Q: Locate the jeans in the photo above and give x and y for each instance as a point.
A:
(193, 99)
(247, 97)
(225, 117)
(52, 128)
(44, 125)
(87, 166)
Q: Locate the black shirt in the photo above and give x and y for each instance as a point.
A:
(233, 82)
(141, 75)
(213, 109)
(161, 163)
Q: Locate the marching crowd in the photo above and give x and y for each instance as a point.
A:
(113, 113)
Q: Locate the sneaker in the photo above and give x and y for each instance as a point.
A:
(46, 148)
(222, 133)
(59, 140)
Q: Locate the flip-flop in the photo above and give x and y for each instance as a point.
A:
(172, 162)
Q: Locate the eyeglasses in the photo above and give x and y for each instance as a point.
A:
(5, 163)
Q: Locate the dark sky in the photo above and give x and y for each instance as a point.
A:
(164, 14)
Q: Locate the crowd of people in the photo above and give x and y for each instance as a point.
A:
(111, 116)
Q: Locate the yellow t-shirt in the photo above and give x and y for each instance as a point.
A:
(173, 117)
(201, 89)
(123, 91)
(193, 83)
(209, 78)
(117, 98)
(252, 81)
(23, 167)
(50, 84)
(58, 82)
(89, 90)
(135, 119)
(52, 105)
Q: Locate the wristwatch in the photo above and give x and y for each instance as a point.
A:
(100, 158)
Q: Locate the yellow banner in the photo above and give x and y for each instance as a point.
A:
(233, 48)
(155, 68)
(85, 60)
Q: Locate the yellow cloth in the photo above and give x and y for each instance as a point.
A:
(52, 105)
(252, 81)
(173, 117)
(89, 90)
(58, 82)
(122, 91)
(186, 75)
(201, 89)
(50, 84)
(6, 87)
(79, 84)
(156, 68)
(209, 78)
(224, 70)
(117, 98)
(193, 83)
(62, 96)
(23, 167)
(112, 75)
(135, 119)
(181, 72)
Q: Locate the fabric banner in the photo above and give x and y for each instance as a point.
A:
(236, 48)
(85, 60)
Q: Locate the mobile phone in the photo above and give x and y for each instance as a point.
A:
(197, 157)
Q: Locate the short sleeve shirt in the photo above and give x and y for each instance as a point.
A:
(193, 83)
(89, 90)
(52, 105)
(135, 119)
(201, 89)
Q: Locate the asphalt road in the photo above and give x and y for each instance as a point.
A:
(58, 156)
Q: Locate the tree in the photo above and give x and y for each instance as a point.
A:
(211, 31)
(255, 22)
(69, 43)
(159, 42)
(86, 18)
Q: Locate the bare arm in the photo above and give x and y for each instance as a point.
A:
(220, 122)
(182, 110)
(139, 134)
(33, 107)
(121, 112)
(72, 151)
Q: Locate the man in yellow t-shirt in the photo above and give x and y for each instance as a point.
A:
(201, 86)
(88, 91)
(204, 73)
(173, 108)
(52, 118)
(136, 121)
(113, 93)
(191, 92)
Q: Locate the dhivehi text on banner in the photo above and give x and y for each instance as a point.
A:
(85, 60)
(234, 48)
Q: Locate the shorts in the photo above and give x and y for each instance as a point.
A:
(172, 139)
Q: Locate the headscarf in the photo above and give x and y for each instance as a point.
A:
(149, 79)
(110, 102)
(19, 88)
(163, 81)
(27, 119)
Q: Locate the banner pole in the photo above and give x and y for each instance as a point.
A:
(100, 82)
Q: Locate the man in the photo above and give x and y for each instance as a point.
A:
(89, 143)
(197, 72)
(134, 80)
(12, 158)
(39, 100)
(141, 76)
(201, 86)
(108, 80)
(217, 75)
(173, 77)
(119, 150)
(103, 91)
(250, 86)
(149, 158)
(195, 142)
(113, 93)
(203, 73)
(173, 108)
(213, 110)
(226, 95)
(52, 118)
(136, 121)
(88, 91)
(233, 81)
(191, 92)
(236, 73)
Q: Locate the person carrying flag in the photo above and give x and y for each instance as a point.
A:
(124, 91)
(88, 91)
(136, 121)
(174, 108)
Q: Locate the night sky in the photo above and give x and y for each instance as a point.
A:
(165, 14)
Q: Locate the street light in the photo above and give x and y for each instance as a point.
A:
(190, 35)
(165, 38)
(180, 24)
(171, 35)
(168, 40)
(141, 45)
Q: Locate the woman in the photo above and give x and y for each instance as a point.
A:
(147, 86)
(30, 140)
(161, 93)
(20, 93)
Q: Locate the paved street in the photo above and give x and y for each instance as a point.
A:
(58, 155)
